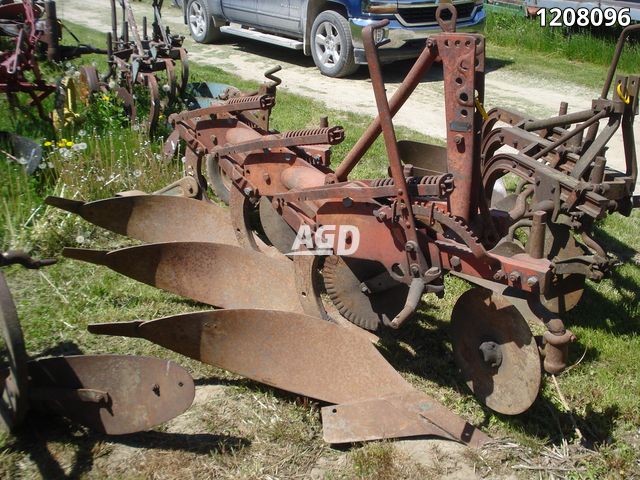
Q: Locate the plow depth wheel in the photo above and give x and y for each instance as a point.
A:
(496, 351)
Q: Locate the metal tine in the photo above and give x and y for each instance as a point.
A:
(155, 218)
(213, 273)
(303, 355)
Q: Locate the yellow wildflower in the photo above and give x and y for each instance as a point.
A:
(61, 144)
(48, 143)
(69, 143)
(106, 98)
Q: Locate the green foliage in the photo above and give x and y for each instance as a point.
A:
(510, 30)
(105, 113)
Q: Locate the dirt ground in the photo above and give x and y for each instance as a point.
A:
(423, 112)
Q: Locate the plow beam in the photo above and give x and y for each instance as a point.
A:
(219, 275)
(309, 357)
(155, 218)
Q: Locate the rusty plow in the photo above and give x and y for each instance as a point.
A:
(320, 360)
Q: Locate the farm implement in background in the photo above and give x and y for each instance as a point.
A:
(112, 394)
(19, 69)
(306, 260)
(30, 31)
(135, 60)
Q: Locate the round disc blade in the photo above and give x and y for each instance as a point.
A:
(279, 233)
(564, 291)
(508, 382)
(13, 370)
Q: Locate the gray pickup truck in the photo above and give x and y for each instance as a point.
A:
(328, 30)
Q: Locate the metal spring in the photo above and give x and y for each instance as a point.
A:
(382, 182)
(425, 180)
(304, 133)
(236, 100)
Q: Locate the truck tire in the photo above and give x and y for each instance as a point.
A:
(200, 22)
(331, 45)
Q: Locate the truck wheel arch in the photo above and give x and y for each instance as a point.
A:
(312, 9)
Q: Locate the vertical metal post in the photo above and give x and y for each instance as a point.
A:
(537, 234)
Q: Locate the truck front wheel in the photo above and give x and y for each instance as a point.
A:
(200, 22)
(331, 45)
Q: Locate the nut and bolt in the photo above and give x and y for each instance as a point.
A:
(455, 262)
(381, 215)
(410, 246)
(532, 281)
(499, 275)
(514, 277)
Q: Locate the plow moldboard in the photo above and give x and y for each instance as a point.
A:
(293, 352)
(142, 391)
(155, 218)
(220, 275)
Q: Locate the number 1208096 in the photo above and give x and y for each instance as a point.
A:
(584, 17)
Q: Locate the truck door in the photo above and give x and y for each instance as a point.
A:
(295, 14)
(241, 11)
(275, 14)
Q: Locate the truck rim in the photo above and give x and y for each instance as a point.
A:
(328, 44)
(196, 18)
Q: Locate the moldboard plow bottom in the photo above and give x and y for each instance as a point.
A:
(317, 359)
(112, 394)
(136, 216)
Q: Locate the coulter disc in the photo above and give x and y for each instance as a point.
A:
(277, 231)
(88, 84)
(565, 291)
(496, 351)
(14, 377)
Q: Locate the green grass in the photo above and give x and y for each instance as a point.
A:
(577, 56)
(252, 431)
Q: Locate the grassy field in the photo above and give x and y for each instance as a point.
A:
(240, 429)
(556, 53)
